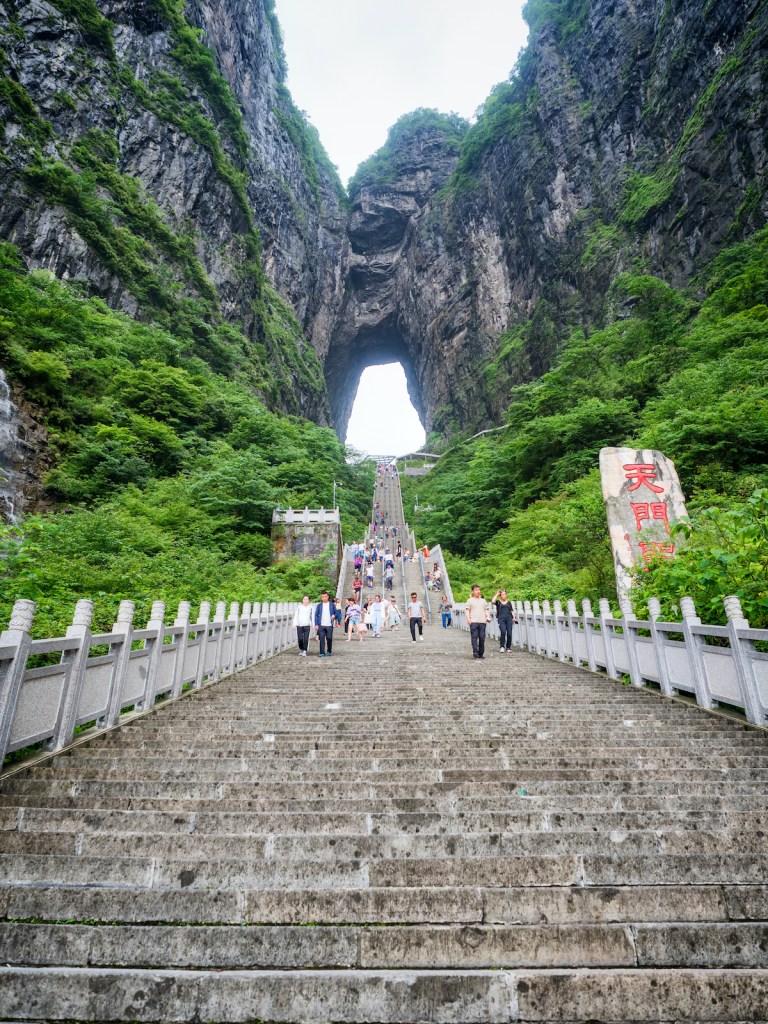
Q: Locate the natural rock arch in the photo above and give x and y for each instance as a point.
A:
(344, 367)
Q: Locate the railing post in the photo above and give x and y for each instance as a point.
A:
(280, 624)
(630, 640)
(586, 607)
(605, 613)
(271, 630)
(525, 618)
(234, 616)
(535, 616)
(693, 644)
(547, 614)
(121, 652)
(12, 670)
(573, 629)
(261, 632)
(182, 619)
(517, 628)
(219, 621)
(203, 619)
(256, 631)
(157, 623)
(558, 620)
(75, 661)
(741, 651)
(659, 639)
(246, 618)
(286, 625)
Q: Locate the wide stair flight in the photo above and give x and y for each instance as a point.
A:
(396, 834)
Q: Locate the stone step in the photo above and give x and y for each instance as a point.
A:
(335, 819)
(169, 871)
(402, 996)
(139, 762)
(597, 793)
(592, 870)
(541, 738)
(469, 905)
(342, 847)
(448, 802)
(370, 947)
(391, 846)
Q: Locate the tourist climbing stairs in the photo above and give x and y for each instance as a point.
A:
(395, 834)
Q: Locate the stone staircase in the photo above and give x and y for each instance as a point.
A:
(397, 834)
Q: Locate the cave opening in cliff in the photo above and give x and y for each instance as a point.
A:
(384, 420)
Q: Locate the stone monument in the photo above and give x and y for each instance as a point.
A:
(307, 533)
(643, 498)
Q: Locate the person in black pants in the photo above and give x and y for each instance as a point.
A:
(302, 620)
(505, 614)
(325, 620)
(416, 617)
(478, 616)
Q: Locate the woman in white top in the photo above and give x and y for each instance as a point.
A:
(302, 620)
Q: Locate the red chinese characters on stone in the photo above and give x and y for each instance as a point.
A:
(656, 550)
(648, 510)
(641, 473)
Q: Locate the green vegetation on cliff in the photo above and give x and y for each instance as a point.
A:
(386, 163)
(169, 471)
(687, 375)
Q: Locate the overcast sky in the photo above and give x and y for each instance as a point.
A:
(355, 66)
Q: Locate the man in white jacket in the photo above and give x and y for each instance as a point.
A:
(302, 620)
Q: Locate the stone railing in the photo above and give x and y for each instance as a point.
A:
(47, 704)
(306, 515)
(677, 657)
(436, 555)
(346, 563)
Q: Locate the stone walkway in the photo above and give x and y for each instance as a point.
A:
(397, 833)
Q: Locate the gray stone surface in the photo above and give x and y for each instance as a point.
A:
(397, 834)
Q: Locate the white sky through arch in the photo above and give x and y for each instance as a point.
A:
(354, 67)
(383, 421)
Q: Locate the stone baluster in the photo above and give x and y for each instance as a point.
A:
(546, 609)
(154, 645)
(630, 641)
(272, 645)
(574, 632)
(247, 627)
(742, 652)
(529, 633)
(219, 632)
(694, 644)
(559, 633)
(660, 639)
(202, 631)
(120, 650)
(74, 659)
(284, 626)
(182, 639)
(232, 631)
(589, 633)
(607, 631)
(13, 663)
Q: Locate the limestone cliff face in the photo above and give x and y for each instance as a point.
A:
(632, 136)
(133, 78)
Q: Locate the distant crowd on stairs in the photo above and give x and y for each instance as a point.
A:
(375, 561)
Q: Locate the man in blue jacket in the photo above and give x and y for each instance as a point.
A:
(325, 619)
